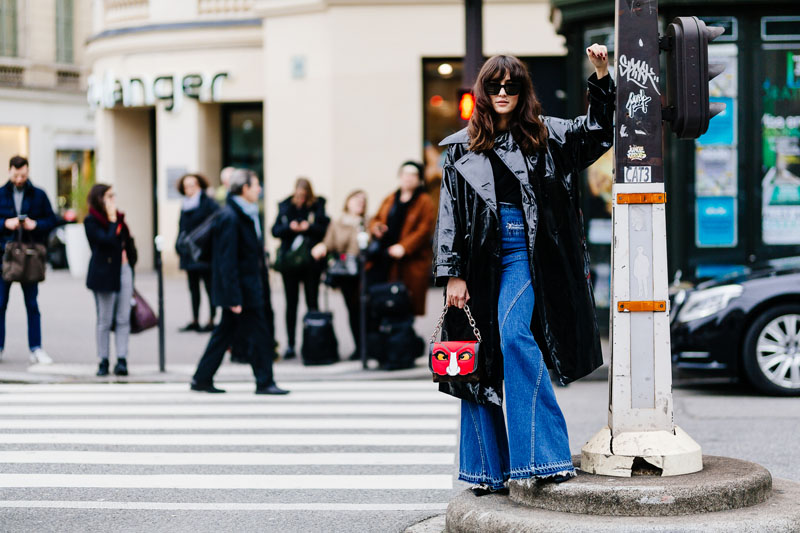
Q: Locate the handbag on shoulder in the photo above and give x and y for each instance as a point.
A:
(142, 315)
(340, 267)
(24, 262)
(454, 361)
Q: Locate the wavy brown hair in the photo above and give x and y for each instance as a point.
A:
(525, 125)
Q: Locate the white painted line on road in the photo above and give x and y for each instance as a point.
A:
(225, 482)
(194, 439)
(186, 396)
(183, 458)
(380, 385)
(216, 506)
(266, 408)
(131, 424)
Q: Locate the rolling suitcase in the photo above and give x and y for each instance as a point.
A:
(320, 346)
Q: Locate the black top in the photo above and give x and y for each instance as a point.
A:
(507, 187)
(396, 218)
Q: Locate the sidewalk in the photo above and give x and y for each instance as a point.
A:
(68, 320)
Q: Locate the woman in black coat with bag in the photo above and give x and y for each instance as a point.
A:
(301, 224)
(197, 208)
(509, 242)
(110, 275)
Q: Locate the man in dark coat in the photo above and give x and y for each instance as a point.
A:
(240, 286)
(467, 243)
(26, 211)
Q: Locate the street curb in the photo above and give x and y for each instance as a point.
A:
(498, 514)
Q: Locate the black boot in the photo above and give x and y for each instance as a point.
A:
(121, 368)
(102, 368)
(289, 353)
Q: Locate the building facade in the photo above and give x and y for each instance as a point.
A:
(43, 111)
(341, 92)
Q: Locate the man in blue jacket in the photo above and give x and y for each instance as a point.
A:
(240, 286)
(24, 206)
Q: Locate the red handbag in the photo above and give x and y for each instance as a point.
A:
(454, 360)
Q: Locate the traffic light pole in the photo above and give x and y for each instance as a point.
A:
(640, 434)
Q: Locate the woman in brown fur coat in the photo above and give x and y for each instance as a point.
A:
(404, 227)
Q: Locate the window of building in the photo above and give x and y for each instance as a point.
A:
(243, 136)
(13, 141)
(8, 28)
(64, 31)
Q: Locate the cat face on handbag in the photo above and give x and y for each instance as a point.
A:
(453, 358)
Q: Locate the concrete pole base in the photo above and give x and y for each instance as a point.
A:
(658, 453)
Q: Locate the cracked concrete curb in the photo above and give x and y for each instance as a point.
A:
(498, 514)
(723, 484)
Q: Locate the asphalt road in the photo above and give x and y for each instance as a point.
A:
(155, 433)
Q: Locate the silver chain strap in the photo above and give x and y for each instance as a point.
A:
(439, 324)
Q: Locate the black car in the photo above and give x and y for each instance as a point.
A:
(743, 325)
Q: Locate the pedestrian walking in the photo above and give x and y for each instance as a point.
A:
(240, 286)
(402, 231)
(110, 275)
(510, 181)
(197, 208)
(25, 211)
(300, 225)
(341, 241)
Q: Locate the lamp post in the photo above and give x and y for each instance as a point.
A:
(641, 434)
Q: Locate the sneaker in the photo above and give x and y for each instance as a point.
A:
(40, 356)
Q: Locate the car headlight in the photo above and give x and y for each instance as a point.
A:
(706, 302)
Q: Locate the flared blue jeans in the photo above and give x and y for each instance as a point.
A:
(536, 444)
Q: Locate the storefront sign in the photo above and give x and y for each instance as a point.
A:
(108, 91)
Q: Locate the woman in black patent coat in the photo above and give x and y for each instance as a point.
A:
(467, 245)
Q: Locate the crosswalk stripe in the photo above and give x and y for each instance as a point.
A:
(266, 408)
(218, 506)
(236, 397)
(225, 482)
(194, 439)
(198, 423)
(184, 458)
(379, 385)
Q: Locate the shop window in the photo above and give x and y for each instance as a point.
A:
(780, 28)
(74, 178)
(716, 159)
(13, 141)
(64, 31)
(243, 136)
(8, 28)
(780, 151)
(730, 24)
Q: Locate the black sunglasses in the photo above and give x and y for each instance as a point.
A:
(512, 88)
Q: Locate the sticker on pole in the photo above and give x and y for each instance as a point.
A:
(638, 175)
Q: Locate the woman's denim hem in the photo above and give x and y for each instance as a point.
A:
(477, 479)
(560, 468)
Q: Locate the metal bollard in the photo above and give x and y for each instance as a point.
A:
(159, 243)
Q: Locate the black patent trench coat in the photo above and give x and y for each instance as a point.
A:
(467, 243)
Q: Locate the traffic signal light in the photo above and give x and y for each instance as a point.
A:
(466, 103)
(688, 110)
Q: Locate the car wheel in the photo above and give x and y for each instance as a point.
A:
(772, 351)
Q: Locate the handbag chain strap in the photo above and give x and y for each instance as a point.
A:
(439, 324)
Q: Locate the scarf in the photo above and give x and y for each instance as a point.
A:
(251, 210)
(192, 202)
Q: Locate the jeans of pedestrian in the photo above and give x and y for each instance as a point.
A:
(114, 308)
(252, 323)
(536, 444)
(30, 291)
